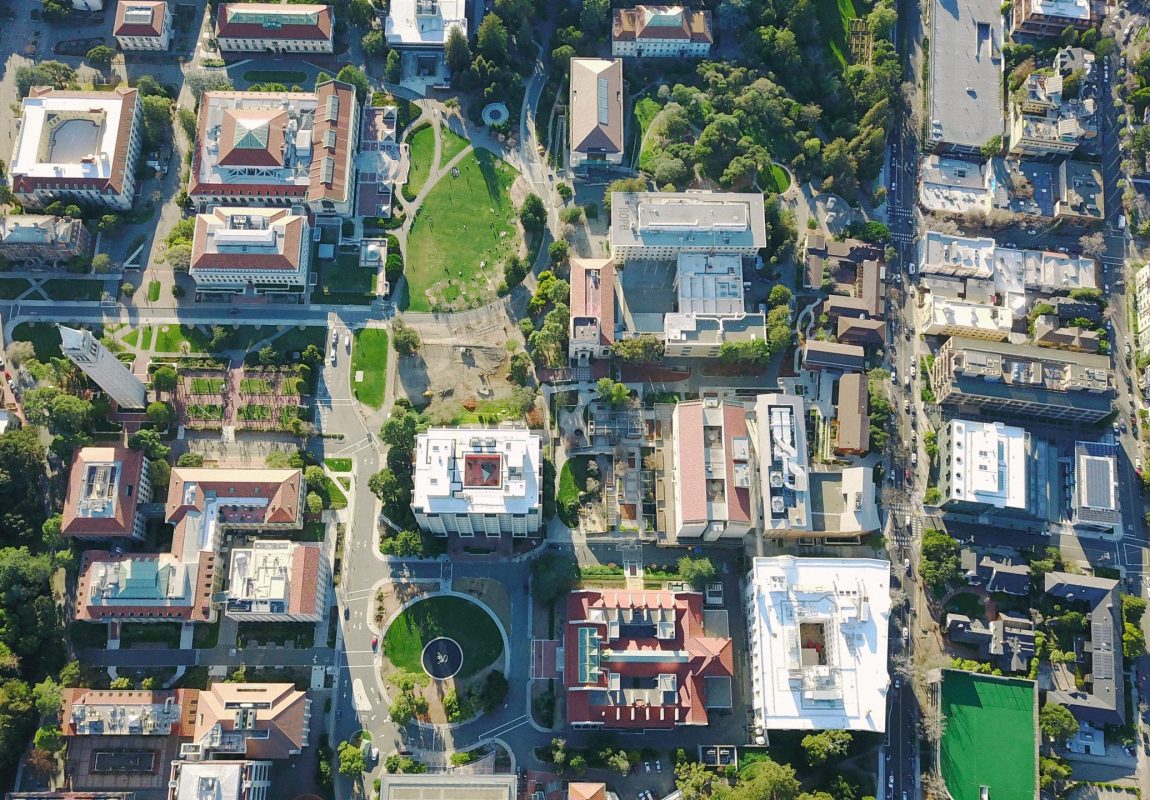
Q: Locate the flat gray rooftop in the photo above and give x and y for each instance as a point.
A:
(966, 72)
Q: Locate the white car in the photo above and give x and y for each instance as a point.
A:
(332, 359)
(347, 342)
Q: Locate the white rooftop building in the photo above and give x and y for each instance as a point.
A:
(983, 465)
(660, 225)
(939, 315)
(277, 581)
(77, 146)
(817, 636)
(219, 780)
(424, 24)
(478, 481)
(711, 308)
(778, 430)
(954, 186)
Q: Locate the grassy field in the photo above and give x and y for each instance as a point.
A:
(150, 633)
(465, 231)
(254, 412)
(775, 179)
(207, 385)
(65, 289)
(146, 337)
(153, 291)
(489, 411)
(255, 386)
(132, 338)
(345, 281)
(989, 736)
(170, 337)
(835, 23)
(11, 288)
(369, 353)
(44, 337)
(293, 340)
(421, 149)
(453, 617)
(338, 464)
(452, 145)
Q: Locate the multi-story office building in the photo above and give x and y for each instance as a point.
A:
(274, 580)
(661, 32)
(982, 466)
(965, 77)
(275, 28)
(661, 225)
(250, 720)
(106, 487)
(241, 249)
(478, 482)
(143, 25)
(219, 780)
(42, 240)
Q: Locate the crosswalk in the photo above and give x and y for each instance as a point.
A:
(902, 535)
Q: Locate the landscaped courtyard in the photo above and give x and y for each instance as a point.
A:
(465, 231)
(442, 616)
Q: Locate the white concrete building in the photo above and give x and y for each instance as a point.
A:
(107, 371)
(661, 32)
(660, 225)
(595, 113)
(424, 24)
(711, 308)
(478, 481)
(275, 149)
(954, 185)
(251, 249)
(275, 28)
(77, 147)
(944, 316)
(219, 780)
(817, 637)
(143, 25)
(982, 465)
(778, 429)
(275, 580)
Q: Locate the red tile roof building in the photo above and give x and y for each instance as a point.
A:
(119, 712)
(264, 249)
(661, 32)
(271, 27)
(178, 585)
(277, 148)
(143, 25)
(592, 309)
(644, 659)
(251, 720)
(93, 164)
(105, 486)
(710, 471)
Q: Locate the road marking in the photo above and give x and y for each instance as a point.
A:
(362, 703)
(505, 728)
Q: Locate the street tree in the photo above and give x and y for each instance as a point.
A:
(821, 747)
(1057, 722)
(405, 339)
(553, 574)
(100, 56)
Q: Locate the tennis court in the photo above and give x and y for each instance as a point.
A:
(989, 737)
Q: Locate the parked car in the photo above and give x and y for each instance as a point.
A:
(658, 766)
(647, 767)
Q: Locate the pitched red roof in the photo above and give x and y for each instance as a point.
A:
(77, 520)
(227, 28)
(154, 26)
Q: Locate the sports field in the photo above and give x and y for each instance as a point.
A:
(988, 739)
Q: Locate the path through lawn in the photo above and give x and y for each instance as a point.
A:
(465, 232)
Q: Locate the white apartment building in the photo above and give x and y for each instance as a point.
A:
(478, 481)
(219, 780)
(596, 112)
(661, 32)
(817, 637)
(778, 429)
(275, 28)
(982, 465)
(660, 225)
(276, 149)
(78, 147)
(939, 315)
(241, 249)
(143, 25)
(275, 580)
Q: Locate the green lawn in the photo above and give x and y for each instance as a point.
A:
(345, 281)
(132, 338)
(153, 291)
(452, 144)
(161, 633)
(67, 289)
(89, 635)
(453, 617)
(301, 633)
(207, 385)
(775, 179)
(572, 479)
(989, 737)
(45, 339)
(338, 464)
(205, 636)
(466, 230)
(294, 340)
(286, 77)
(421, 154)
(254, 412)
(369, 353)
(170, 337)
(11, 288)
(255, 386)
(489, 411)
(645, 111)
